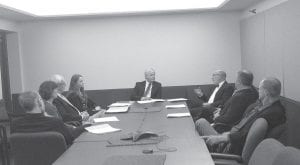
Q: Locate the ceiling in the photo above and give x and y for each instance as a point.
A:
(232, 5)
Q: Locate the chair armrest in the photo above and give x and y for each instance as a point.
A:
(227, 156)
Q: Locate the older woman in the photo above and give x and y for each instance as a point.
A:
(48, 92)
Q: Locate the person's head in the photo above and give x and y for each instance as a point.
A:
(31, 102)
(150, 75)
(60, 82)
(76, 83)
(48, 90)
(218, 76)
(269, 88)
(244, 79)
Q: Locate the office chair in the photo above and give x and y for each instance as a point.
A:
(255, 135)
(41, 148)
(289, 156)
(4, 146)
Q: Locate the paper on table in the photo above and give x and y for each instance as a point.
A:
(117, 109)
(106, 119)
(120, 105)
(158, 100)
(178, 115)
(178, 99)
(101, 129)
(175, 106)
(150, 101)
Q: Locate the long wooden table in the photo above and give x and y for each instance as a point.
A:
(191, 149)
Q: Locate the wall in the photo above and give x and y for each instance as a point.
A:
(112, 52)
(270, 46)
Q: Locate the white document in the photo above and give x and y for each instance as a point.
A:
(145, 101)
(175, 115)
(101, 129)
(117, 109)
(120, 105)
(178, 99)
(158, 100)
(175, 106)
(106, 119)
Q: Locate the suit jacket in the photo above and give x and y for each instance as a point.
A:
(139, 89)
(235, 107)
(67, 112)
(31, 123)
(223, 94)
(82, 105)
(274, 115)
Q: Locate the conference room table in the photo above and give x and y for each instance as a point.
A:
(181, 143)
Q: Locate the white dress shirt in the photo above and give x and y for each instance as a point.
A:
(212, 96)
(149, 93)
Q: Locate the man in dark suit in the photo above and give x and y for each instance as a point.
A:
(35, 120)
(234, 108)
(221, 93)
(148, 89)
(267, 107)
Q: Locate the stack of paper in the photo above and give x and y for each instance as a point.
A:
(175, 106)
(178, 99)
(117, 109)
(150, 101)
(120, 105)
(106, 119)
(175, 115)
(101, 129)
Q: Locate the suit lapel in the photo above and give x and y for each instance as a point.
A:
(220, 91)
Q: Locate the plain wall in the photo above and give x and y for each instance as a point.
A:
(112, 52)
(270, 46)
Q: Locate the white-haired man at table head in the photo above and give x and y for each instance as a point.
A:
(147, 89)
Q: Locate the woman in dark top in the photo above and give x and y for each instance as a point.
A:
(79, 98)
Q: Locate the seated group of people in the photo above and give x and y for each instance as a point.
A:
(225, 116)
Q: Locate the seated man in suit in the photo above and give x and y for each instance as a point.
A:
(69, 113)
(221, 93)
(268, 107)
(35, 120)
(234, 108)
(149, 89)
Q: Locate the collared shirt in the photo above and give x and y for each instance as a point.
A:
(146, 86)
(212, 96)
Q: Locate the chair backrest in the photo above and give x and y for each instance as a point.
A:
(41, 148)
(255, 135)
(288, 156)
(266, 152)
(4, 146)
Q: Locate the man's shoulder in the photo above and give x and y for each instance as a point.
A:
(157, 83)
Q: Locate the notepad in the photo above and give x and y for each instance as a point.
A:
(178, 99)
(175, 106)
(176, 115)
(117, 109)
(101, 129)
(106, 119)
(120, 105)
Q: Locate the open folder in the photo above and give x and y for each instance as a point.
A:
(101, 129)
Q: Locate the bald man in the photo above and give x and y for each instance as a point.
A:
(221, 93)
(148, 89)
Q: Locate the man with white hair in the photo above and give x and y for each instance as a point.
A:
(148, 89)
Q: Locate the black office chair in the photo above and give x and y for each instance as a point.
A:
(289, 156)
(255, 135)
(4, 146)
(41, 148)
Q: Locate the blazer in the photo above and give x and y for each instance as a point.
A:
(274, 115)
(31, 123)
(67, 112)
(223, 94)
(234, 108)
(82, 105)
(139, 89)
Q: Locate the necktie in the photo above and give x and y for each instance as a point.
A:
(147, 90)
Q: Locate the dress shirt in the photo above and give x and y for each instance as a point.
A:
(212, 96)
(149, 93)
